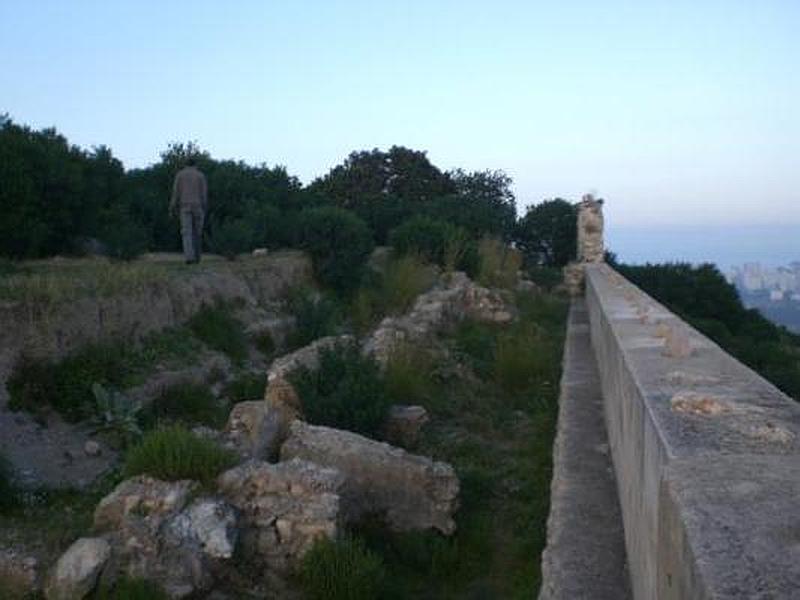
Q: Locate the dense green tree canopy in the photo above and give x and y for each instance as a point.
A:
(547, 234)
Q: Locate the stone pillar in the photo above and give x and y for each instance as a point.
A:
(590, 230)
(590, 243)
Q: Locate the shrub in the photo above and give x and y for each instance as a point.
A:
(393, 291)
(339, 244)
(221, 331)
(232, 237)
(8, 492)
(347, 391)
(127, 588)
(499, 264)
(436, 242)
(122, 236)
(116, 414)
(248, 386)
(546, 277)
(316, 315)
(342, 570)
(407, 375)
(174, 453)
(66, 386)
(188, 403)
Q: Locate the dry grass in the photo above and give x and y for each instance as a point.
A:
(499, 264)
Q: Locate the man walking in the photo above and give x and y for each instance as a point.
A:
(190, 197)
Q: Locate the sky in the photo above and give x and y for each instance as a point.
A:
(683, 115)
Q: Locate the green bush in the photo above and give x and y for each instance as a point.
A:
(8, 492)
(127, 588)
(392, 292)
(174, 453)
(188, 403)
(233, 237)
(316, 315)
(123, 237)
(546, 277)
(342, 570)
(408, 375)
(347, 391)
(66, 386)
(436, 242)
(221, 331)
(248, 386)
(339, 244)
(499, 264)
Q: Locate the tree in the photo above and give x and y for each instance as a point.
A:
(370, 176)
(548, 233)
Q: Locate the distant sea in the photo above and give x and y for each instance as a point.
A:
(770, 245)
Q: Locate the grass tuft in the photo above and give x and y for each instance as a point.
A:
(247, 386)
(174, 453)
(220, 330)
(9, 497)
(127, 588)
(316, 315)
(187, 403)
(342, 570)
(499, 264)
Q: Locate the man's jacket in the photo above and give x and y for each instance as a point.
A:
(189, 190)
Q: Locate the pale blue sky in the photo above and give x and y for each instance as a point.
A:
(678, 113)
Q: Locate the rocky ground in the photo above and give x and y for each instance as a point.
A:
(246, 533)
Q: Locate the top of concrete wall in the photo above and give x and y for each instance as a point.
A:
(701, 398)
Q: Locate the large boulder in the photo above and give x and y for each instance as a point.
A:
(412, 492)
(158, 531)
(284, 508)
(75, 574)
(306, 357)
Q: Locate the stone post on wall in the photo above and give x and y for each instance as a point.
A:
(590, 243)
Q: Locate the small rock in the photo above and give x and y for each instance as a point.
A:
(405, 423)
(76, 572)
(260, 252)
(92, 448)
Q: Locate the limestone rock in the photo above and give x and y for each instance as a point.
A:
(158, 533)
(144, 497)
(20, 572)
(413, 492)
(247, 429)
(75, 574)
(455, 299)
(404, 424)
(92, 448)
(283, 508)
(260, 252)
(210, 523)
(307, 357)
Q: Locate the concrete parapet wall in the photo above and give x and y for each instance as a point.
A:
(706, 454)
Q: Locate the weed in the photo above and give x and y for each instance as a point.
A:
(8, 492)
(127, 588)
(316, 315)
(265, 344)
(187, 403)
(346, 391)
(393, 292)
(499, 264)
(174, 453)
(247, 386)
(221, 331)
(408, 375)
(342, 570)
(66, 386)
(116, 414)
